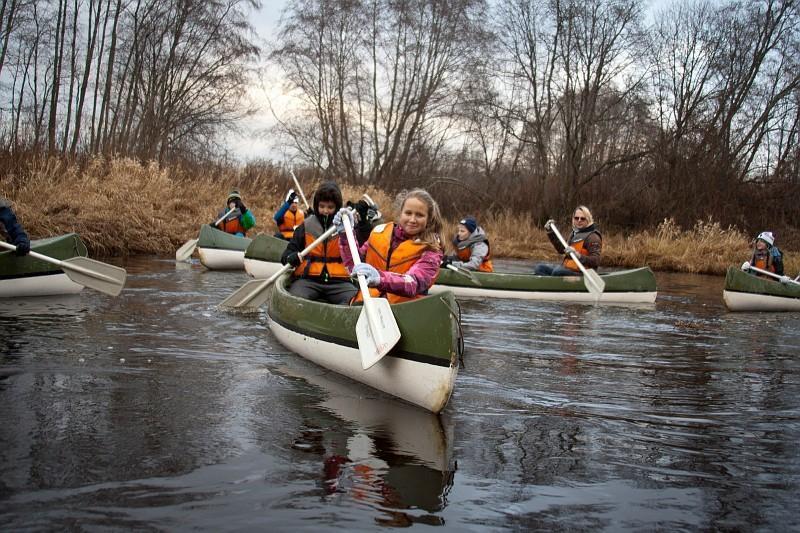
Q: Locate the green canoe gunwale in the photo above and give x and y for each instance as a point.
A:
(60, 247)
(738, 281)
(634, 280)
(215, 239)
(427, 325)
(266, 248)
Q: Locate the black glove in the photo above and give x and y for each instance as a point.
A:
(445, 261)
(23, 247)
(292, 259)
(291, 196)
(241, 206)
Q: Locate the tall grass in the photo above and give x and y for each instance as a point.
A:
(121, 207)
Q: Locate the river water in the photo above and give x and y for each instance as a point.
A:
(156, 411)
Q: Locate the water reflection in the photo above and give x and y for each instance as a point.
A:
(376, 451)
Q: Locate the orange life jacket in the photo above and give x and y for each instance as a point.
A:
(465, 253)
(324, 256)
(764, 262)
(291, 221)
(398, 260)
(232, 225)
(580, 238)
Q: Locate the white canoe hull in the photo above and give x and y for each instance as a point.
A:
(217, 259)
(260, 269)
(422, 384)
(745, 301)
(551, 296)
(45, 285)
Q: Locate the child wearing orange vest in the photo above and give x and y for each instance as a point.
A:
(401, 259)
(767, 256)
(240, 220)
(472, 248)
(585, 242)
(288, 216)
(321, 275)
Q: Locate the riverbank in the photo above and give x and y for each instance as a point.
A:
(120, 207)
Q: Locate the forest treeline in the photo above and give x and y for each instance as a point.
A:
(688, 112)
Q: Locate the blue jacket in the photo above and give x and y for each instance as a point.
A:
(9, 222)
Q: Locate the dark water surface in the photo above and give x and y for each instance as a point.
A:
(156, 411)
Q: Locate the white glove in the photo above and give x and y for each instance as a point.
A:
(785, 279)
(369, 272)
(570, 250)
(548, 226)
(745, 266)
(339, 223)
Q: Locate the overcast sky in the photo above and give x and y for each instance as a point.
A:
(252, 144)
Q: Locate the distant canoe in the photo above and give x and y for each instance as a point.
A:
(25, 276)
(625, 286)
(263, 257)
(221, 251)
(420, 369)
(746, 292)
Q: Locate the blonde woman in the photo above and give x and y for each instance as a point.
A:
(585, 242)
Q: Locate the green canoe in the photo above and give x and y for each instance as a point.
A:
(420, 369)
(25, 276)
(221, 251)
(262, 258)
(747, 292)
(625, 286)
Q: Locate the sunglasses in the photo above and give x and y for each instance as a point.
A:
(579, 218)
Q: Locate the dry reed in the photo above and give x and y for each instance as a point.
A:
(121, 207)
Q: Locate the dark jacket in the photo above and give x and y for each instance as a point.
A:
(12, 227)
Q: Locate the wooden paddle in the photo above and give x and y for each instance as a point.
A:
(250, 296)
(594, 283)
(108, 279)
(185, 252)
(464, 272)
(299, 189)
(747, 266)
(376, 329)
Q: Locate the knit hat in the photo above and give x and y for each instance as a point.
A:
(767, 237)
(470, 223)
(234, 194)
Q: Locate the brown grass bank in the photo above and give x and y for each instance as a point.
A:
(121, 207)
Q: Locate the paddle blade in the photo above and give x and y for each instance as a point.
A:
(185, 252)
(108, 279)
(376, 330)
(253, 294)
(594, 283)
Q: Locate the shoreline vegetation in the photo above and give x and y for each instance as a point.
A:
(120, 207)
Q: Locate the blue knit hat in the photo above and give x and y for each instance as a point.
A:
(470, 223)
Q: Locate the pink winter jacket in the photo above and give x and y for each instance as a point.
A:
(417, 280)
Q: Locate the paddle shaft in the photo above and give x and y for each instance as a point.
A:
(299, 189)
(768, 273)
(223, 217)
(285, 268)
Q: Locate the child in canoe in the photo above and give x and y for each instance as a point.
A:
(239, 220)
(472, 247)
(320, 275)
(766, 256)
(401, 259)
(288, 216)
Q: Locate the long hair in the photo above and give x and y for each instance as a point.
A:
(431, 235)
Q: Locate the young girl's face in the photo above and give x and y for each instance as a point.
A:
(463, 232)
(326, 208)
(413, 216)
(761, 245)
